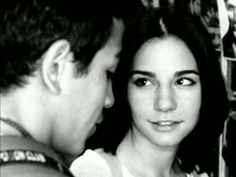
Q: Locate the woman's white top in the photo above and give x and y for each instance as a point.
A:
(97, 163)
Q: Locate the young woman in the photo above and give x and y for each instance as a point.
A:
(171, 102)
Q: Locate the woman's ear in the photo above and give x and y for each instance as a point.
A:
(53, 63)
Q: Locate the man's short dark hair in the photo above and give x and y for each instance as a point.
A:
(29, 27)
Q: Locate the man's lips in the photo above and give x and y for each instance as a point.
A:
(100, 119)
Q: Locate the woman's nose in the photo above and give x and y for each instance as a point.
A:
(165, 99)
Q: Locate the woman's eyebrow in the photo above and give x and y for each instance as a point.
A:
(152, 74)
(191, 71)
(146, 73)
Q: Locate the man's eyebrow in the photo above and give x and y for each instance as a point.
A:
(191, 71)
(146, 73)
(231, 6)
(118, 55)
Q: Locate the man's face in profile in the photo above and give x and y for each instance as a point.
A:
(231, 8)
(84, 97)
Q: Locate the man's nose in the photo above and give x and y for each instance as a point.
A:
(109, 99)
(165, 99)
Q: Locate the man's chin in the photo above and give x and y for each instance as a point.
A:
(234, 32)
(68, 159)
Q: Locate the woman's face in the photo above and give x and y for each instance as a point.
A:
(164, 92)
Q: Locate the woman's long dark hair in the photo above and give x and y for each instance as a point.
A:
(198, 148)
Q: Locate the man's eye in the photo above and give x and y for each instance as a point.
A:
(140, 82)
(185, 82)
(231, 8)
(109, 74)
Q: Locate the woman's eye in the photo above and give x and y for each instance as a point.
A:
(185, 82)
(140, 82)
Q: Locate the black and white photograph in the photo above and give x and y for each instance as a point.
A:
(118, 88)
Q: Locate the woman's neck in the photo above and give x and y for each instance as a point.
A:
(143, 158)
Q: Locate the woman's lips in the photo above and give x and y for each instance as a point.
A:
(165, 125)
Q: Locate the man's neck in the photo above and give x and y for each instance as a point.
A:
(8, 130)
(23, 108)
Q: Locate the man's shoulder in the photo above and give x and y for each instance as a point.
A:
(29, 169)
(21, 156)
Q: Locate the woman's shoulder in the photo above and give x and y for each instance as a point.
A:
(91, 164)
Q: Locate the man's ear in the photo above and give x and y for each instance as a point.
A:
(54, 60)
